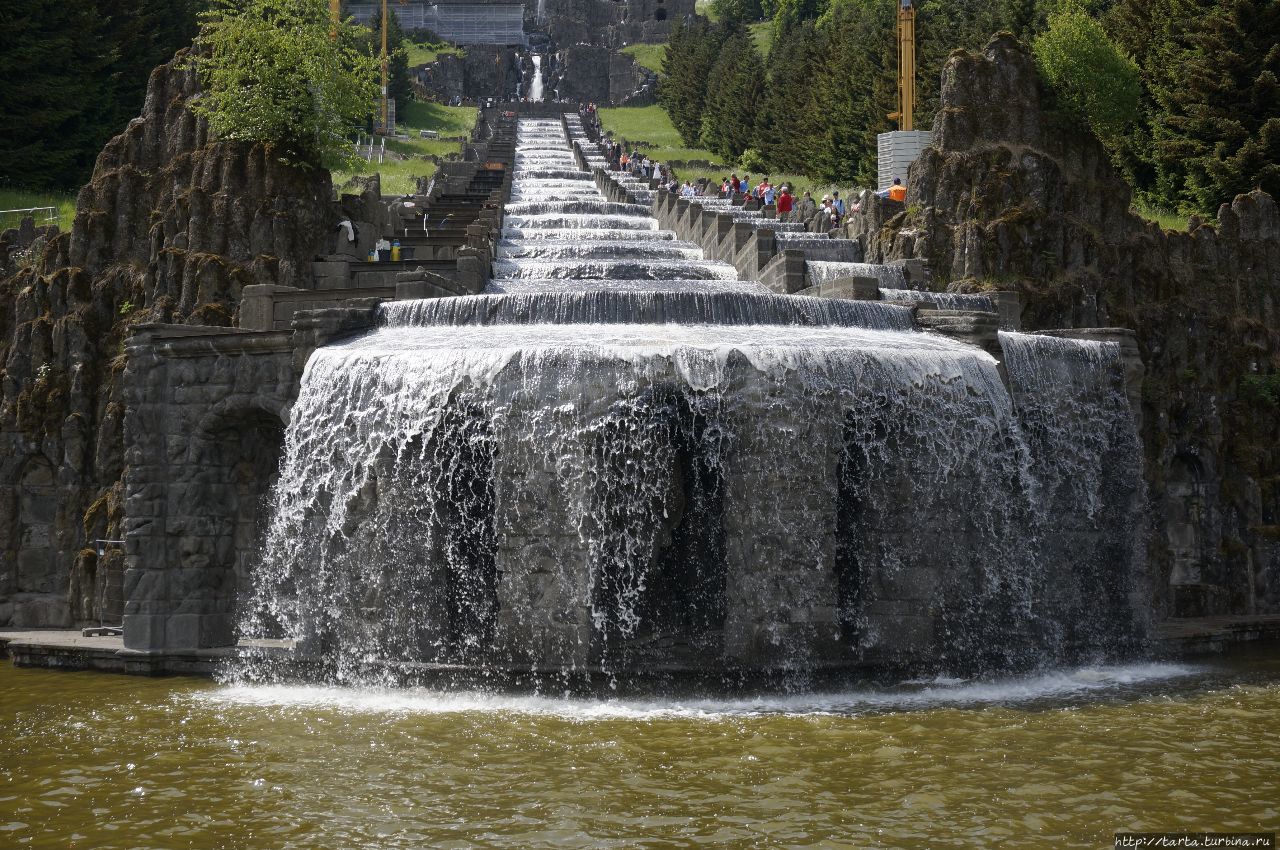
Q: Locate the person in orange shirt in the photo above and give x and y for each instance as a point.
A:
(897, 192)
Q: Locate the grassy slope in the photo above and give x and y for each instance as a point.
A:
(425, 54)
(398, 175)
(1164, 218)
(651, 130)
(14, 199)
(648, 55)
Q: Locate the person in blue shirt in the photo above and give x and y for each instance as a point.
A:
(838, 203)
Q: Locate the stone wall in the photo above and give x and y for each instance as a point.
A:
(171, 228)
(1015, 196)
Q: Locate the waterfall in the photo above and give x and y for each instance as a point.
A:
(889, 277)
(621, 459)
(535, 87)
(944, 300)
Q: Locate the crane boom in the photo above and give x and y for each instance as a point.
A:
(906, 64)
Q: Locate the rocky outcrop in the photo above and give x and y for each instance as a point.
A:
(171, 228)
(1014, 195)
(481, 72)
(600, 75)
(19, 245)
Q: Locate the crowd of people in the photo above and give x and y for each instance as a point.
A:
(817, 216)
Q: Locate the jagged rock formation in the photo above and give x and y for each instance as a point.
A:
(1013, 195)
(171, 228)
(483, 71)
(602, 75)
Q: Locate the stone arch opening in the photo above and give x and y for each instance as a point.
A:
(660, 14)
(225, 509)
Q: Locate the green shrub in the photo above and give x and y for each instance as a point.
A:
(271, 72)
(1089, 75)
(1261, 388)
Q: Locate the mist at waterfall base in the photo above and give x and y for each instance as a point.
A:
(622, 466)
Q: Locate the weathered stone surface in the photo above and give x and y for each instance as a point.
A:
(171, 228)
(1012, 196)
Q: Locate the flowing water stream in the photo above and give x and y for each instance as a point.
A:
(621, 459)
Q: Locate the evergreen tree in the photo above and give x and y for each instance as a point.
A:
(789, 120)
(77, 75)
(54, 97)
(741, 11)
(691, 53)
(1217, 129)
(734, 89)
(855, 89)
(1209, 128)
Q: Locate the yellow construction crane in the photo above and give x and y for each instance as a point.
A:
(335, 14)
(906, 65)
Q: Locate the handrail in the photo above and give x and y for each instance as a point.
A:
(52, 210)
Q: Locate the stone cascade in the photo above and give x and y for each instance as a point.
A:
(620, 460)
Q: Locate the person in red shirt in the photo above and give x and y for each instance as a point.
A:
(785, 201)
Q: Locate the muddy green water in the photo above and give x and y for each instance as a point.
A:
(1061, 760)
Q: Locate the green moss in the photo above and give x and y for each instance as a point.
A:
(1261, 389)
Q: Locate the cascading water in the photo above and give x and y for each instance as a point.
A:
(535, 85)
(889, 277)
(619, 458)
(943, 300)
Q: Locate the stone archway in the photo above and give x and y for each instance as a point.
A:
(236, 454)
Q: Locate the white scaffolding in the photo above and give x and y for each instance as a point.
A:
(460, 23)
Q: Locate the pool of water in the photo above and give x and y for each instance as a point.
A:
(1062, 760)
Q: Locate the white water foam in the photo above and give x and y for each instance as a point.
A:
(1086, 682)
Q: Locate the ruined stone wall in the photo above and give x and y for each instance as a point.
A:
(1014, 195)
(171, 228)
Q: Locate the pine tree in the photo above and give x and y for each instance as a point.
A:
(52, 104)
(789, 121)
(733, 92)
(1218, 132)
(1211, 128)
(691, 54)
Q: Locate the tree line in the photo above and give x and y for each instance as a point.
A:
(74, 73)
(1183, 93)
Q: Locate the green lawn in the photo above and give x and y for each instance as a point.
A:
(651, 130)
(425, 54)
(445, 120)
(648, 55)
(424, 147)
(650, 127)
(18, 199)
(398, 176)
(703, 7)
(1166, 219)
(406, 159)
(763, 35)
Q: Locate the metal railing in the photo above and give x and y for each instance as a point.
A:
(51, 214)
